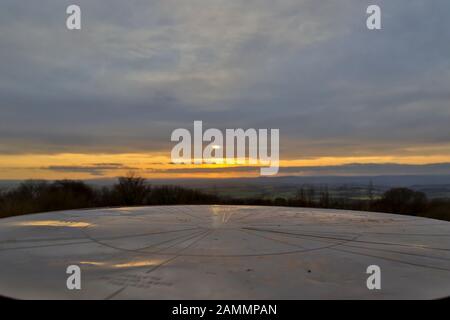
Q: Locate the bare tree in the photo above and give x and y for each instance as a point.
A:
(131, 190)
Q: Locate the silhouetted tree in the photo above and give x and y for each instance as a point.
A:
(280, 201)
(324, 200)
(300, 197)
(131, 190)
(311, 196)
(66, 194)
(370, 190)
(403, 201)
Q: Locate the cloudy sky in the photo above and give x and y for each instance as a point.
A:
(105, 99)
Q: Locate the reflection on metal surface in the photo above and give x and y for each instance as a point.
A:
(130, 264)
(143, 263)
(92, 263)
(54, 223)
(224, 252)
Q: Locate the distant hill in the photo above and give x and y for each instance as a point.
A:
(342, 186)
(381, 180)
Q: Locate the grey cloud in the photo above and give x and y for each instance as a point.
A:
(140, 69)
(95, 170)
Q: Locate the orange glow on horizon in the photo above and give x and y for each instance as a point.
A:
(159, 166)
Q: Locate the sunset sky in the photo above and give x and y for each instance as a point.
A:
(104, 100)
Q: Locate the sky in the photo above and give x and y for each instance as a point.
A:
(104, 100)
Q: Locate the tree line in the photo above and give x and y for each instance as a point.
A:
(41, 196)
(131, 190)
